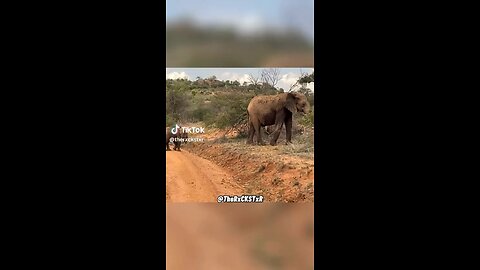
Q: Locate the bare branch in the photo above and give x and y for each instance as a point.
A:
(253, 79)
(270, 76)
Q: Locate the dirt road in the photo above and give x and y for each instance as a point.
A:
(193, 179)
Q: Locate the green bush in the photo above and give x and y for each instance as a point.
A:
(226, 109)
(308, 119)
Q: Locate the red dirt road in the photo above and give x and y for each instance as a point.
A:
(194, 179)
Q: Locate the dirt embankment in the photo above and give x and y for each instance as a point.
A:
(261, 170)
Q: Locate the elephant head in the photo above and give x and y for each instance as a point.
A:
(297, 102)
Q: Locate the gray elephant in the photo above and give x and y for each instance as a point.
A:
(176, 138)
(275, 110)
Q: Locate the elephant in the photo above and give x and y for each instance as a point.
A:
(175, 137)
(274, 110)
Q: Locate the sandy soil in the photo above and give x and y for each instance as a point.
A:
(194, 179)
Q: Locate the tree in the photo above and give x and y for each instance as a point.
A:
(176, 98)
(270, 76)
(254, 80)
(306, 79)
(303, 80)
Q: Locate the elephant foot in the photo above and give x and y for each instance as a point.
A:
(273, 143)
(249, 142)
(168, 149)
(287, 143)
(261, 143)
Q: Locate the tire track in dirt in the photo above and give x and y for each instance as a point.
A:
(194, 179)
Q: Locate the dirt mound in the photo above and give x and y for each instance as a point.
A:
(262, 170)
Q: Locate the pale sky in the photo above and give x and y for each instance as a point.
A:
(288, 75)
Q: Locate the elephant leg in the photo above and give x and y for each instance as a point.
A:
(288, 127)
(251, 132)
(278, 128)
(276, 133)
(168, 147)
(259, 133)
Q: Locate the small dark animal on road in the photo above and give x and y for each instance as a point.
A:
(176, 138)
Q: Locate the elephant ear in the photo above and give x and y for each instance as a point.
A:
(291, 104)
